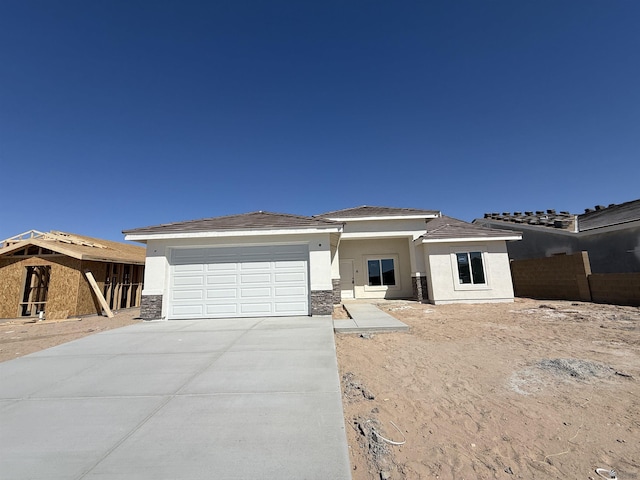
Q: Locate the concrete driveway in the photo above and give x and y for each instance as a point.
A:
(189, 399)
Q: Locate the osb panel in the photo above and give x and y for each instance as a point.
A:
(63, 288)
(87, 302)
(11, 278)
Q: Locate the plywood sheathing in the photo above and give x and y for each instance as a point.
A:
(63, 288)
(11, 280)
(87, 302)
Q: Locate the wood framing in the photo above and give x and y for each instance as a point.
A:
(45, 272)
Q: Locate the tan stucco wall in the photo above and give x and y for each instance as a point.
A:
(360, 250)
(443, 276)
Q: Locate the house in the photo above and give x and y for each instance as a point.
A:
(274, 264)
(45, 272)
(610, 235)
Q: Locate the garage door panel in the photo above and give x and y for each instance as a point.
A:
(188, 269)
(190, 281)
(221, 293)
(290, 292)
(221, 279)
(187, 295)
(290, 308)
(292, 264)
(263, 278)
(240, 281)
(221, 267)
(192, 311)
(222, 309)
(257, 265)
(250, 292)
(292, 277)
(256, 308)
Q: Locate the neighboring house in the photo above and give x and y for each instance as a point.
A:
(272, 264)
(611, 235)
(45, 272)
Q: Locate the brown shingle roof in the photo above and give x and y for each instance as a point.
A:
(444, 228)
(102, 251)
(247, 221)
(370, 211)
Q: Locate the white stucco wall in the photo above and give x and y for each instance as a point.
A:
(360, 250)
(443, 283)
(156, 275)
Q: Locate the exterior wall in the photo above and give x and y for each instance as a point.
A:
(420, 290)
(559, 277)
(611, 250)
(11, 280)
(442, 280)
(157, 267)
(321, 302)
(379, 228)
(615, 288)
(87, 302)
(616, 251)
(360, 250)
(337, 293)
(151, 307)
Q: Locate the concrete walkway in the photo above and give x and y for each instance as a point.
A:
(366, 317)
(228, 399)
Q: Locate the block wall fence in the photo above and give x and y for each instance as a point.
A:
(569, 277)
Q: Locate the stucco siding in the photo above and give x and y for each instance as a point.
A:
(360, 250)
(444, 286)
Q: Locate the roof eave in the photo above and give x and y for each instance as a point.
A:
(145, 236)
(470, 239)
(383, 217)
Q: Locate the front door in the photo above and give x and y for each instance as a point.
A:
(346, 278)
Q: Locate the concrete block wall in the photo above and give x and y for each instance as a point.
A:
(615, 288)
(562, 277)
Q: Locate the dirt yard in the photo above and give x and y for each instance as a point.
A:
(22, 336)
(530, 390)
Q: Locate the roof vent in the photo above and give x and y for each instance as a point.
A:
(600, 207)
(588, 210)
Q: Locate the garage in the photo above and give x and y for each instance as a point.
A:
(254, 281)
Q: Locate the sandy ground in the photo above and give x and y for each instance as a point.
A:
(22, 336)
(529, 390)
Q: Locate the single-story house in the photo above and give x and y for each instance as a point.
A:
(46, 272)
(274, 264)
(610, 235)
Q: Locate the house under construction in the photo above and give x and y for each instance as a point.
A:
(53, 273)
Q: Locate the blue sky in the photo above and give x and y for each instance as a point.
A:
(121, 114)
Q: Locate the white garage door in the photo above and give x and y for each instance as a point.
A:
(239, 282)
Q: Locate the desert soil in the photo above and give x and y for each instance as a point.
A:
(22, 336)
(531, 390)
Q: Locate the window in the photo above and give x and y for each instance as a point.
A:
(381, 272)
(470, 268)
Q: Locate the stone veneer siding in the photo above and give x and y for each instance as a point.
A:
(420, 292)
(151, 307)
(337, 295)
(321, 302)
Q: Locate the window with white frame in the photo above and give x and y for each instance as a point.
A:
(381, 272)
(470, 268)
